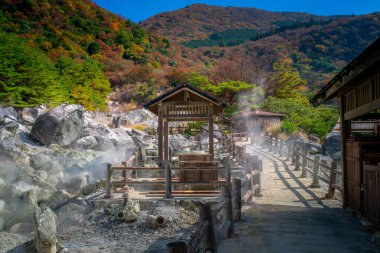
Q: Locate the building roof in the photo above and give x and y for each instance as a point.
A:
(257, 113)
(363, 61)
(177, 94)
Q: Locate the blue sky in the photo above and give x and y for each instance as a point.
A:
(138, 10)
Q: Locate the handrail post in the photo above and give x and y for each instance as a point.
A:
(304, 163)
(275, 145)
(125, 177)
(236, 199)
(109, 181)
(226, 193)
(168, 180)
(297, 161)
(270, 144)
(294, 153)
(331, 192)
(281, 148)
(289, 152)
(315, 183)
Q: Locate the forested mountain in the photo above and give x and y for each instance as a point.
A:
(54, 51)
(245, 38)
(63, 50)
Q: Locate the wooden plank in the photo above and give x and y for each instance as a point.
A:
(362, 110)
(173, 182)
(211, 131)
(136, 168)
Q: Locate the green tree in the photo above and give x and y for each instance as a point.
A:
(27, 76)
(229, 90)
(85, 82)
(198, 80)
(285, 82)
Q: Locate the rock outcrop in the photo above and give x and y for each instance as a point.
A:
(62, 125)
(332, 144)
(45, 240)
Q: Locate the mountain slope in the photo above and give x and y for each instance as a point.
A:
(80, 47)
(199, 21)
(317, 46)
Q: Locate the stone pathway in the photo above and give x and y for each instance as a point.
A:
(292, 217)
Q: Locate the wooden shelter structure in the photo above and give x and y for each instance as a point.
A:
(183, 103)
(358, 88)
(255, 121)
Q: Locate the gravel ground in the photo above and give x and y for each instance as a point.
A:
(100, 233)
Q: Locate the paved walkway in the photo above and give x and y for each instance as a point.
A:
(292, 217)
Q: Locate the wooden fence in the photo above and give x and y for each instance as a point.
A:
(299, 156)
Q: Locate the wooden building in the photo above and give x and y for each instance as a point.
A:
(255, 121)
(357, 87)
(186, 103)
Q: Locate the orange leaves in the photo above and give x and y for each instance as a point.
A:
(115, 26)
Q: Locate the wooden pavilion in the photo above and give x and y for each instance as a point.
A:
(255, 121)
(358, 88)
(183, 103)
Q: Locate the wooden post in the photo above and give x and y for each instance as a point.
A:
(331, 192)
(294, 153)
(125, 171)
(166, 140)
(315, 183)
(211, 131)
(211, 230)
(276, 145)
(109, 181)
(297, 160)
(168, 180)
(226, 193)
(159, 134)
(176, 247)
(289, 150)
(304, 163)
(281, 147)
(236, 199)
(233, 147)
(227, 168)
(345, 129)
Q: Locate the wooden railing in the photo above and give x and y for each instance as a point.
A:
(310, 166)
(217, 218)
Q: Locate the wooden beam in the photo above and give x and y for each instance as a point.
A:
(345, 133)
(211, 131)
(362, 110)
(166, 140)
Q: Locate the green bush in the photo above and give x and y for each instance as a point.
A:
(302, 115)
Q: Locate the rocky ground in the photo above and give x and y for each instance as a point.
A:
(57, 157)
(101, 233)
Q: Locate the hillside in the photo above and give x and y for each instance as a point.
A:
(77, 42)
(226, 36)
(199, 21)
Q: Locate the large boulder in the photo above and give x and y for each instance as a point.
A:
(141, 117)
(178, 141)
(62, 125)
(8, 112)
(29, 115)
(332, 144)
(45, 240)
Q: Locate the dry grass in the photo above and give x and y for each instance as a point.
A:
(273, 130)
(141, 127)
